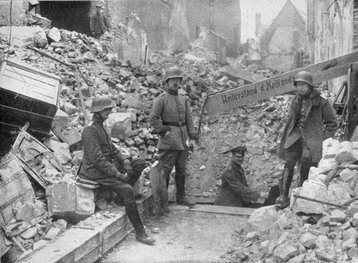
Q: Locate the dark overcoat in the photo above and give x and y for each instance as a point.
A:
(320, 123)
(101, 159)
(234, 188)
(99, 23)
(175, 109)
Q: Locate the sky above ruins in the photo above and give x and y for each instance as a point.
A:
(269, 9)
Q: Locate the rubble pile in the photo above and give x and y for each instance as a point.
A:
(100, 72)
(88, 68)
(321, 222)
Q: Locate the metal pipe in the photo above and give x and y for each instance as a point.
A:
(318, 201)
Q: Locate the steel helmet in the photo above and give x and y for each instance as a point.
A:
(101, 103)
(305, 77)
(171, 73)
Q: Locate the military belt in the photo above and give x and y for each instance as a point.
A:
(174, 123)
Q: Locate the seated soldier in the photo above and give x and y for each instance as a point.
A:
(234, 188)
(102, 163)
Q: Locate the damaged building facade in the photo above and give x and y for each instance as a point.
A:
(332, 29)
(284, 39)
(171, 24)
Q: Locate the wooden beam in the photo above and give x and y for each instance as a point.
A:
(240, 73)
(277, 85)
(228, 210)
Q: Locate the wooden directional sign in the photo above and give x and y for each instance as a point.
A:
(277, 85)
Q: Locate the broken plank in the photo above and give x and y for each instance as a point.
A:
(240, 73)
(204, 200)
(228, 210)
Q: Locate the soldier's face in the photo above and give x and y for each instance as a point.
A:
(303, 88)
(105, 113)
(238, 157)
(174, 83)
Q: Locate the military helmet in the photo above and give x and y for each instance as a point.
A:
(172, 72)
(305, 77)
(100, 103)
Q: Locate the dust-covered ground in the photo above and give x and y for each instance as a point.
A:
(184, 236)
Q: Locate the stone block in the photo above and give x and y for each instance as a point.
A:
(40, 38)
(349, 243)
(312, 189)
(138, 141)
(330, 147)
(347, 175)
(323, 242)
(284, 252)
(54, 34)
(129, 142)
(308, 240)
(69, 108)
(68, 201)
(350, 233)
(326, 165)
(338, 216)
(355, 219)
(324, 254)
(344, 154)
(263, 218)
(352, 253)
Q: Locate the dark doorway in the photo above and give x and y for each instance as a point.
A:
(70, 15)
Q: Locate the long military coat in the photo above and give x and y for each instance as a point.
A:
(234, 188)
(320, 123)
(100, 155)
(168, 108)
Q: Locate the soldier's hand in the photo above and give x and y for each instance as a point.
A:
(127, 164)
(262, 198)
(165, 130)
(123, 177)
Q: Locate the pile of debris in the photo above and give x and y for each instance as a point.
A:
(321, 222)
(86, 67)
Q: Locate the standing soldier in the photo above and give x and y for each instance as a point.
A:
(98, 22)
(171, 118)
(311, 120)
(103, 163)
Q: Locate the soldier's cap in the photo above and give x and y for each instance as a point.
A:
(237, 149)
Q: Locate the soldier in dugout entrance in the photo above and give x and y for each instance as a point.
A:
(234, 188)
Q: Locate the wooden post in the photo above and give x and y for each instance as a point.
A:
(352, 110)
(159, 188)
(82, 103)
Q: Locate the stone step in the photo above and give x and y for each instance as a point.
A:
(90, 239)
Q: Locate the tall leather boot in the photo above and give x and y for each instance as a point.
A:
(283, 200)
(306, 163)
(181, 198)
(140, 234)
(304, 171)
